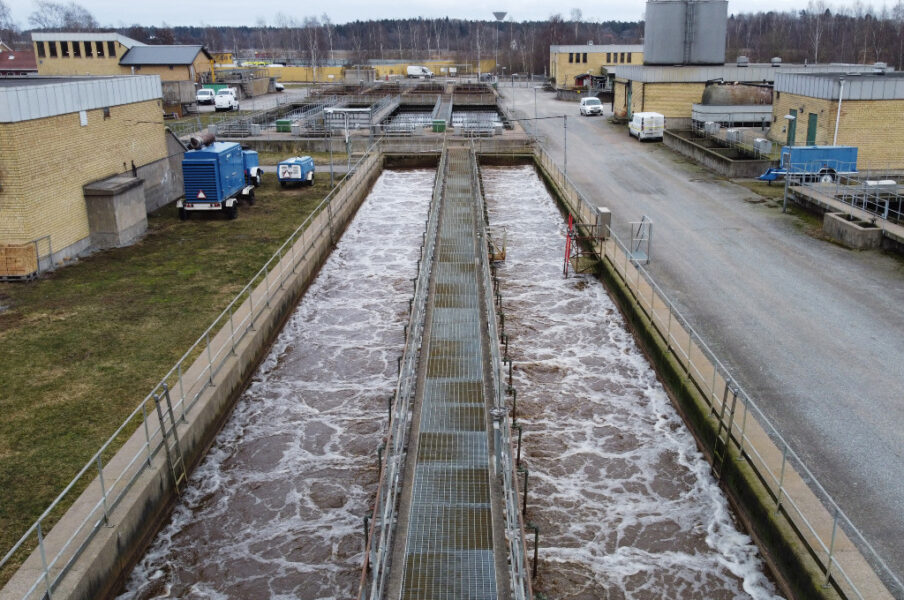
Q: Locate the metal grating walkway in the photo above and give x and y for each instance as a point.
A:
(449, 550)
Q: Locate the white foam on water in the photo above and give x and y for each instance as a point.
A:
(276, 508)
(626, 505)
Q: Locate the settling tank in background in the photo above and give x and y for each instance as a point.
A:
(685, 32)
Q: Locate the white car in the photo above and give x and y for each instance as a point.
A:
(226, 100)
(205, 96)
(591, 106)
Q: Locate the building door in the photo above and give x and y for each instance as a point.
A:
(811, 129)
(792, 127)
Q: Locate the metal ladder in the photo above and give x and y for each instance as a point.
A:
(723, 434)
(174, 458)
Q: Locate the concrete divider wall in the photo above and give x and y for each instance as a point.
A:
(713, 160)
(210, 387)
(806, 546)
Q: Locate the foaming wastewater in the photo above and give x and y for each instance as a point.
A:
(275, 510)
(625, 503)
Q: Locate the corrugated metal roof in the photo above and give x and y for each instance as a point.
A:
(857, 86)
(85, 36)
(40, 97)
(163, 55)
(755, 73)
(593, 48)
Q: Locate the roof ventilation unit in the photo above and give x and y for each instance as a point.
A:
(743, 61)
(776, 61)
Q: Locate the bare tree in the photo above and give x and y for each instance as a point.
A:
(59, 16)
(576, 15)
(816, 16)
(8, 28)
(312, 30)
(328, 25)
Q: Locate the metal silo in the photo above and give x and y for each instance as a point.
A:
(707, 28)
(689, 32)
(663, 38)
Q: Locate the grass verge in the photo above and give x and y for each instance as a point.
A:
(81, 346)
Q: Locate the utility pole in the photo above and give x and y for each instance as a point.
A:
(499, 14)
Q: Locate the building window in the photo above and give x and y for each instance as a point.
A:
(100, 49)
(111, 49)
(171, 67)
(53, 50)
(89, 49)
(629, 57)
(622, 57)
(570, 57)
(42, 49)
(106, 112)
(584, 57)
(608, 57)
(64, 49)
(76, 49)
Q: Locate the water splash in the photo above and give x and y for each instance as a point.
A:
(275, 510)
(626, 504)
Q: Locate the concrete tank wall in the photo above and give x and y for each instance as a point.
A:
(717, 94)
(685, 32)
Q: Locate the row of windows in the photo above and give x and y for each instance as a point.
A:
(611, 57)
(76, 49)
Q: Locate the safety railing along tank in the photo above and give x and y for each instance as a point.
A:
(820, 524)
(186, 381)
(378, 545)
(505, 465)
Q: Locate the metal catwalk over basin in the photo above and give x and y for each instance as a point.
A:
(446, 523)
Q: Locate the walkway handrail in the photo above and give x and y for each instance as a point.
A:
(378, 546)
(186, 384)
(712, 378)
(514, 524)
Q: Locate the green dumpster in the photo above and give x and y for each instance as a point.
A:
(284, 126)
(439, 125)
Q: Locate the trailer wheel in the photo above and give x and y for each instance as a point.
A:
(232, 211)
(311, 181)
(250, 198)
(258, 179)
(282, 184)
(826, 176)
(183, 214)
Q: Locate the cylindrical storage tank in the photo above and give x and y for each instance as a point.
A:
(663, 36)
(708, 30)
(685, 32)
(715, 94)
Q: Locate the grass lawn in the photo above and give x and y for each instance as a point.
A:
(80, 347)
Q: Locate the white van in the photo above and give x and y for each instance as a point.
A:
(418, 72)
(646, 126)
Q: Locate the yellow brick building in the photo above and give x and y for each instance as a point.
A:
(81, 53)
(63, 54)
(673, 90)
(871, 116)
(59, 134)
(568, 62)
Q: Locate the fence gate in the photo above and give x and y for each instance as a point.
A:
(641, 238)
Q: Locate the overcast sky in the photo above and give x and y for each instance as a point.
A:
(243, 12)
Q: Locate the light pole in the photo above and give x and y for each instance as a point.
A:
(499, 14)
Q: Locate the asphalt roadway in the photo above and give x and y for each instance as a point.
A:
(813, 332)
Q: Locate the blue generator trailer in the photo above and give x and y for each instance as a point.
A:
(216, 176)
(813, 163)
(298, 169)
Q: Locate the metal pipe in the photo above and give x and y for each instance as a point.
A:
(838, 114)
(536, 546)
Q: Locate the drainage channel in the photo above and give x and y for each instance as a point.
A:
(276, 509)
(625, 503)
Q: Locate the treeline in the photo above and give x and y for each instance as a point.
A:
(820, 33)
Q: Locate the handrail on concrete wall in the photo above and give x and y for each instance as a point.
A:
(107, 479)
(847, 561)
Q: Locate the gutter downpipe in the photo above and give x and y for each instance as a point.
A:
(838, 115)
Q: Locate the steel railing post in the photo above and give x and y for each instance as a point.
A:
(103, 489)
(181, 386)
(44, 563)
(232, 327)
(743, 428)
(209, 359)
(147, 432)
(781, 479)
(828, 576)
